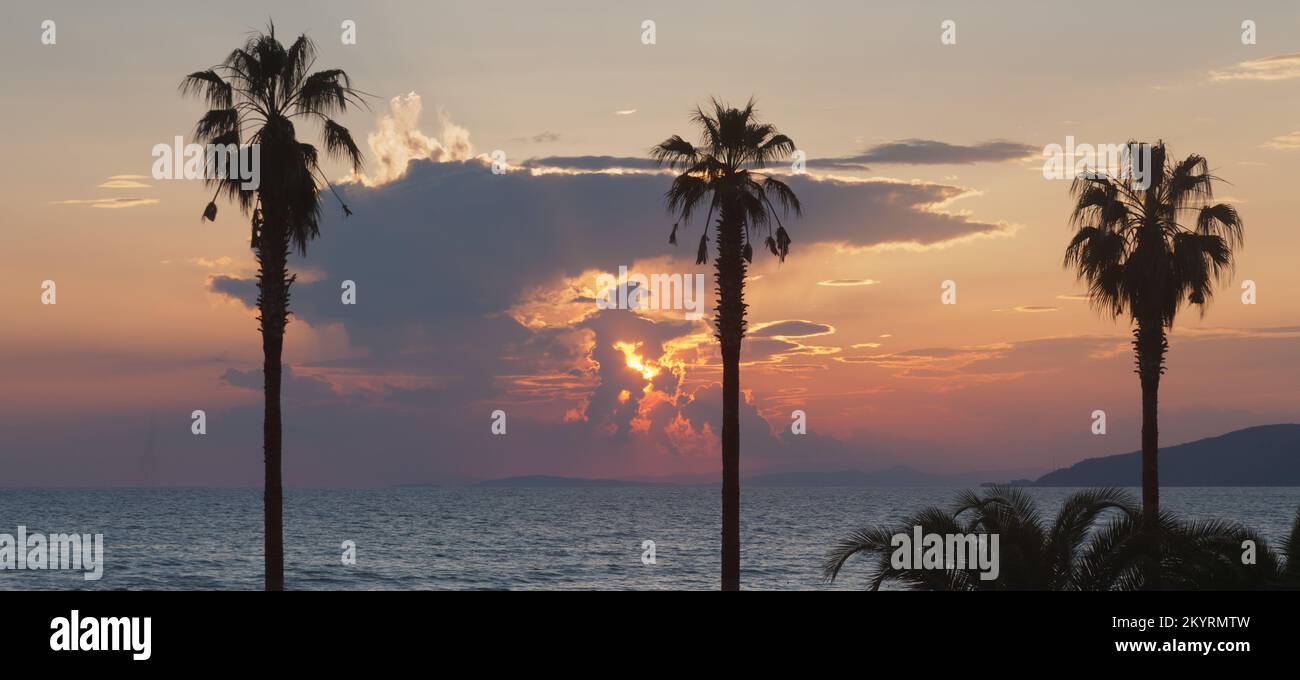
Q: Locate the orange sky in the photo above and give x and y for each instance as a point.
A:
(473, 287)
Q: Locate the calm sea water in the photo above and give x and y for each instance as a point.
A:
(501, 538)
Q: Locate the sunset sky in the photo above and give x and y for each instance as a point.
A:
(474, 289)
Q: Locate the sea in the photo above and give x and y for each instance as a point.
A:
(486, 538)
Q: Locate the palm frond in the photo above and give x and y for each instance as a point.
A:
(1190, 181)
(339, 144)
(674, 152)
(298, 60)
(1290, 550)
(326, 92)
(784, 196)
(1220, 219)
(1074, 524)
(212, 88)
(217, 123)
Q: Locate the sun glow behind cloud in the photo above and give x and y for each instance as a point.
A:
(635, 361)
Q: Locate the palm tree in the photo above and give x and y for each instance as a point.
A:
(1144, 251)
(1032, 555)
(1099, 540)
(254, 97)
(723, 170)
(1177, 555)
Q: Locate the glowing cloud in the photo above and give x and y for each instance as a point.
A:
(397, 140)
(109, 202)
(848, 282)
(1280, 67)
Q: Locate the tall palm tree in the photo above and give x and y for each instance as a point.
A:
(254, 97)
(1099, 540)
(724, 172)
(1144, 252)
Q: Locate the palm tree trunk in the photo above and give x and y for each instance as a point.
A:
(731, 330)
(731, 470)
(1150, 449)
(272, 303)
(1150, 345)
(1150, 473)
(273, 496)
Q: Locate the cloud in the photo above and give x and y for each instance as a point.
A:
(539, 138)
(931, 152)
(962, 367)
(110, 202)
(911, 215)
(625, 112)
(453, 238)
(397, 141)
(592, 163)
(833, 283)
(855, 213)
(1279, 67)
(1287, 142)
(1031, 309)
(628, 353)
(790, 329)
(445, 253)
(123, 183)
(115, 182)
(294, 387)
(220, 262)
(1264, 332)
(243, 290)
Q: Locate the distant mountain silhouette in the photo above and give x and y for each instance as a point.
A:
(894, 476)
(1268, 455)
(552, 481)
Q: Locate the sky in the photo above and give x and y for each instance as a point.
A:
(475, 290)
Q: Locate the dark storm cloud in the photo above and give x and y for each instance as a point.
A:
(294, 387)
(243, 290)
(592, 162)
(440, 254)
(931, 152)
(539, 138)
(452, 241)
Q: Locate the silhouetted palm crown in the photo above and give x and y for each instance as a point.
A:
(1145, 251)
(254, 97)
(721, 170)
